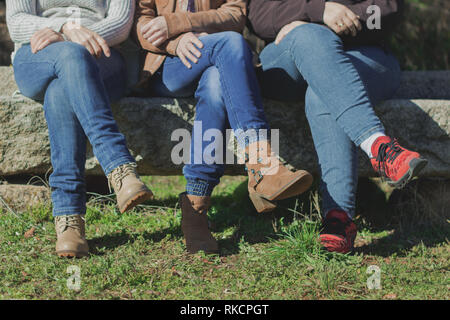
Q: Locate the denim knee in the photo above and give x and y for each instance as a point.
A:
(313, 39)
(234, 44)
(75, 59)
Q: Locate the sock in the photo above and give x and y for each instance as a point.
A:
(366, 145)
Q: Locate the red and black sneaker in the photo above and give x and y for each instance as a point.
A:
(396, 165)
(338, 233)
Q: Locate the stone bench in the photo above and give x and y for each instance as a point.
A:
(418, 116)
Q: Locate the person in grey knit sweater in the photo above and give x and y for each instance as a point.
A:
(65, 54)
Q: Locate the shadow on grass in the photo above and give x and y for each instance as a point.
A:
(109, 242)
(401, 241)
(413, 215)
(234, 217)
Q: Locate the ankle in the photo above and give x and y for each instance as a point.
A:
(369, 146)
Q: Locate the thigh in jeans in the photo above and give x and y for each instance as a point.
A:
(114, 74)
(379, 69)
(173, 80)
(278, 75)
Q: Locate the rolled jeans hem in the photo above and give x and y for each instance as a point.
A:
(69, 211)
(367, 134)
(199, 188)
(118, 163)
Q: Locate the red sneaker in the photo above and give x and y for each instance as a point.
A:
(394, 163)
(338, 233)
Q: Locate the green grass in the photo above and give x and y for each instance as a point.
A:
(140, 254)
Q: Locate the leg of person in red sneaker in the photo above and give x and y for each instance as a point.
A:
(339, 232)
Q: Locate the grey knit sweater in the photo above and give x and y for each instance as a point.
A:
(111, 19)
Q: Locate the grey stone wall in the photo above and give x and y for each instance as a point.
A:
(418, 116)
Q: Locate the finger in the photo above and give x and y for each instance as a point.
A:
(197, 42)
(53, 39)
(145, 28)
(154, 29)
(194, 50)
(355, 20)
(184, 60)
(154, 37)
(33, 45)
(104, 45)
(335, 28)
(48, 42)
(189, 55)
(39, 43)
(88, 47)
(350, 26)
(44, 44)
(37, 39)
(95, 47)
(158, 41)
(33, 42)
(340, 28)
(343, 28)
(150, 33)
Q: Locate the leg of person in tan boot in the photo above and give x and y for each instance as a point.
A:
(227, 94)
(76, 90)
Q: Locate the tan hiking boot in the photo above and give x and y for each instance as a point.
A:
(194, 224)
(269, 179)
(70, 232)
(129, 188)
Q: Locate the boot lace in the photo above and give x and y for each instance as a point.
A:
(116, 177)
(65, 222)
(387, 153)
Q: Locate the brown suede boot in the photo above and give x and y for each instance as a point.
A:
(129, 188)
(70, 232)
(194, 224)
(269, 180)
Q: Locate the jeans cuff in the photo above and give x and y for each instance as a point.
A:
(199, 188)
(69, 211)
(367, 134)
(117, 163)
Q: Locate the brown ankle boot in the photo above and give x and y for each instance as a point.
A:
(70, 232)
(194, 224)
(269, 180)
(129, 188)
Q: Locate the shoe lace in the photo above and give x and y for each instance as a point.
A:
(69, 221)
(116, 177)
(387, 153)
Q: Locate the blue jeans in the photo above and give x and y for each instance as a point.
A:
(342, 85)
(227, 94)
(76, 89)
